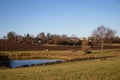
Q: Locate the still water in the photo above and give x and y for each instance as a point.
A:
(20, 63)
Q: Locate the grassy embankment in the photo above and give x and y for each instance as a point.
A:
(65, 55)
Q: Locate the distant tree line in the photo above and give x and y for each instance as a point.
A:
(99, 36)
(43, 38)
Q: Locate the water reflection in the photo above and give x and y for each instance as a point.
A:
(21, 63)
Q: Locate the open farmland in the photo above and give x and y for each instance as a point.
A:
(59, 40)
(78, 65)
(13, 46)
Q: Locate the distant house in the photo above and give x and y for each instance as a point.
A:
(19, 39)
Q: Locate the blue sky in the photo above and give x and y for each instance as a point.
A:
(78, 17)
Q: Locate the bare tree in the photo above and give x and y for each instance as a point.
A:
(11, 36)
(28, 38)
(54, 38)
(48, 35)
(101, 34)
(110, 35)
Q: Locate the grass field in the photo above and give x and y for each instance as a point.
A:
(95, 69)
(105, 66)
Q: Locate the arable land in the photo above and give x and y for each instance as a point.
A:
(78, 65)
(13, 46)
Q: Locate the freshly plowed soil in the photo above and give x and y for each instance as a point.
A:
(14, 46)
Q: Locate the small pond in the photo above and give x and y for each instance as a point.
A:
(21, 63)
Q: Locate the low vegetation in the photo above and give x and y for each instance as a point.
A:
(78, 66)
(95, 69)
(65, 55)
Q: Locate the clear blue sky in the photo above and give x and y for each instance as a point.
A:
(79, 17)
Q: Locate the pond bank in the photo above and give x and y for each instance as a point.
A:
(56, 55)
